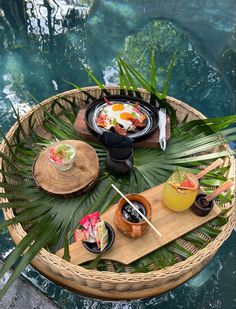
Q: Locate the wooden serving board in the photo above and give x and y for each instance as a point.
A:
(151, 141)
(170, 224)
(78, 179)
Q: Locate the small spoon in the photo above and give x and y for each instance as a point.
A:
(209, 168)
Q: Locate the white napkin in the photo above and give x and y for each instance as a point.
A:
(162, 128)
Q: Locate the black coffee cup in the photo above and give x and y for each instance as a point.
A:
(119, 166)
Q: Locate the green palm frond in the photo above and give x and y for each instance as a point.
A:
(89, 96)
(167, 79)
(156, 97)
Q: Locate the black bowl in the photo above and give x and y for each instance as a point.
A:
(92, 247)
(150, 112)
(199, 209)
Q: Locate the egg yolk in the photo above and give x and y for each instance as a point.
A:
(126, 116)
(117, 107)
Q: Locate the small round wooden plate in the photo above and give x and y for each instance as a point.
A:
(78, 179)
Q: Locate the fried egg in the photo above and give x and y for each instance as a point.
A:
(121, 113)
(125, 123)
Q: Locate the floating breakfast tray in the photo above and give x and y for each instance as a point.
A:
(110, 284)
(78, 179)
(151, 141)
(170, 224)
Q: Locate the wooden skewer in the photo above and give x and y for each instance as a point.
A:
(209, 168)
(227, 185)
(136, 209)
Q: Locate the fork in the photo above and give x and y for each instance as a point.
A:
(162, 128)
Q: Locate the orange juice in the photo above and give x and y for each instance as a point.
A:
(180, 190)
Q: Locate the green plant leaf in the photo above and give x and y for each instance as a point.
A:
(66, 255)
(176, 248)
(167, 79)
(25, 260)
(100, 85)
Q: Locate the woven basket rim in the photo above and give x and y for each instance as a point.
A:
(66, 269)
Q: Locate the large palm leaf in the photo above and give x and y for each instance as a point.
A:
(50, 221)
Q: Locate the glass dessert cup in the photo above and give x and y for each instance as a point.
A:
(62, 156)
(180, 191)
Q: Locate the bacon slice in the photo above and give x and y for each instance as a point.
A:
(142, 118)
(137, 123)
(119, 130)
(107, 101)
(136, 105)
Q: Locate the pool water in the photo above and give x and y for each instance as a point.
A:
(45, 44)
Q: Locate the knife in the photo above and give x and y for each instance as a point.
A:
(162, 128)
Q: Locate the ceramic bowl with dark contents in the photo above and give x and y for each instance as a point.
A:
(131, 215)
(201, 207)
(127, 220)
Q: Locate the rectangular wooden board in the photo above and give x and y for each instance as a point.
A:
(171, 225)
(151, 141)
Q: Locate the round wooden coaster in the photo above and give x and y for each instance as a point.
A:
(78, 179)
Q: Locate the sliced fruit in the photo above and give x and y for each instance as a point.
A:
(188, 184)
(183, 180)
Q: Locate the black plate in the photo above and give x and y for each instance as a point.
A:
(150, 111)
(92, 247)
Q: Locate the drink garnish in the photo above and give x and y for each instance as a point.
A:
(188, 184)
(182, 180)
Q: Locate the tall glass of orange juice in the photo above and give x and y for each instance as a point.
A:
(180, 190)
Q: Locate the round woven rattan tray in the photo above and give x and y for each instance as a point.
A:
(109, 284)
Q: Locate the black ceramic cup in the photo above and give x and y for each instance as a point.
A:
(92, 247)
(119, 167)
(201, 207)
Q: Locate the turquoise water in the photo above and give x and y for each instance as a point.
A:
(43, 44)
